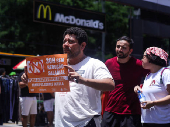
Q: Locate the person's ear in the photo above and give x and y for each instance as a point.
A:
(83, 45)
(130, 51)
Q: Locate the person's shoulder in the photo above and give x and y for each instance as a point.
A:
(165, 69)
(111, 59)
(137, 61)
(94, 61)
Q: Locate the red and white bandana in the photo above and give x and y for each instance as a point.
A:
(158, 52)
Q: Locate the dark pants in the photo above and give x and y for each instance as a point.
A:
(155, 125)
(91, 123)
(115, 120)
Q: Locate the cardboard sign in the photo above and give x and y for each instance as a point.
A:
(47, 74)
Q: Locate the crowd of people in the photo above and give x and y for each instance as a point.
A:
(119, 76)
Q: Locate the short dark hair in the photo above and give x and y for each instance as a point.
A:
(156, 60)
(81, 35)
(129, 40)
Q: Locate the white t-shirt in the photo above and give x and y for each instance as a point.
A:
(154, 90)
(77, 107)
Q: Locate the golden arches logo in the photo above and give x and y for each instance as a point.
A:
(44, 11)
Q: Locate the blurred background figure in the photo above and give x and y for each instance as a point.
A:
(28, 102)
(48, 106)
(2, 72)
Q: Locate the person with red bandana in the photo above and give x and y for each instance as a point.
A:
(156, 89)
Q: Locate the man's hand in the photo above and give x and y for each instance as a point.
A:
(24, 78)
(73, 76)
(24, 81)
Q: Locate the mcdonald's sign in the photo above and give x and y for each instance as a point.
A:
(50, 13)
(44, 10)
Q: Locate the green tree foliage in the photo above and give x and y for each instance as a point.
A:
(19, 34)
(117, 23)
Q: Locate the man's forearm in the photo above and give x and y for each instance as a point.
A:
(99, 84)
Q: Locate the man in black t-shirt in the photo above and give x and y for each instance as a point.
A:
(28, 103)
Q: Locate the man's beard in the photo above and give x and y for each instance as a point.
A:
(73, 55)
(122, 56)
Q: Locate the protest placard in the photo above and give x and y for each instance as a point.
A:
(47, 73)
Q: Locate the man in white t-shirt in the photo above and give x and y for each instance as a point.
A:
(81, 107)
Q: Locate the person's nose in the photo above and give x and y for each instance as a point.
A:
(120, 48)
(66, 43)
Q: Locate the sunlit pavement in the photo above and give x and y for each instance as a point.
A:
(14, 125)
(10, 124)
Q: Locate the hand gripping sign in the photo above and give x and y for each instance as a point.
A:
(47, 74)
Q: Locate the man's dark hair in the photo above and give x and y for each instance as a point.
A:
(156, 60)
(129, 40)
(81, 35)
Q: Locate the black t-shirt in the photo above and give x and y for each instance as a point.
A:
(25, 90)
(47, 96)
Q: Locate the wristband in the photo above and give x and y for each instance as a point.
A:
(75, 80)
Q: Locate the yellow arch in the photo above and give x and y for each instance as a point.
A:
(44, 11)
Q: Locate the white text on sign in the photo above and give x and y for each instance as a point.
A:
(54, 60)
